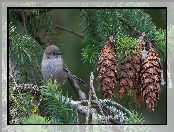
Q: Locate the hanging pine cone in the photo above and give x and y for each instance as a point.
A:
(129, 72)
(150, 76)
(107, 68)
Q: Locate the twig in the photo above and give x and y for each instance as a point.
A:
(134, 29)
(94, 94)
(82, 109)
(38, 39)
(24, 21)
(11, 74)
(129, 25)
(121, 107)
(45, 40)
(89, 106)
(70, 31)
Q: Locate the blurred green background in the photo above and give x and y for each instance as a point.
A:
(71, 46)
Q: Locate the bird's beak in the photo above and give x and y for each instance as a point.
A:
(59, 53)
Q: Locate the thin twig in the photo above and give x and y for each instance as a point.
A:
(24, 21)
(82, 109)
(69, 30)
(94, 94)
(121, 107)
(89, 106)
(134, 29)
(11, 75)
(129, 25)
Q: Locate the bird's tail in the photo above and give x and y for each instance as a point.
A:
(73, 80)
(76, 78)
(71, 76)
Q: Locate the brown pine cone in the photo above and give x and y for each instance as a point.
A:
(107, 68)
(129, 73)
(151, 78)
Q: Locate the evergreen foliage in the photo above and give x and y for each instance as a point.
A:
(89, 23)
(119, 23)
(129, 100)
(125, 44)
(56, 106)
(135, 118)
(27, 61)
(117, 114)
(21, 105)
(126, 25)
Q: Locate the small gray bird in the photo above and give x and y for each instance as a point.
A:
(53, 67)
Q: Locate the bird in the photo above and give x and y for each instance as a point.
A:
(54, 68)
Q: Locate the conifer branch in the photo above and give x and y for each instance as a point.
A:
(134, 29)
(83, 107)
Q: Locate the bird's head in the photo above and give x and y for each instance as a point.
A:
(52, 52)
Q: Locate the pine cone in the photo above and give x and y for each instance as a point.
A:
(107, 68)
(150, 78)
(129, 73)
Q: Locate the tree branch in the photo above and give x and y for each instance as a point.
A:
(84, 107)
(81, 106)
(134, 30)
(69, 30)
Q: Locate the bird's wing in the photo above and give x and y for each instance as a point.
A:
(71, 76)
(73, 82)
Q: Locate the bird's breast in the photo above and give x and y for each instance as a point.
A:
(53, 69)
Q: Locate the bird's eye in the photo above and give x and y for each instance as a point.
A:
(54, 53)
